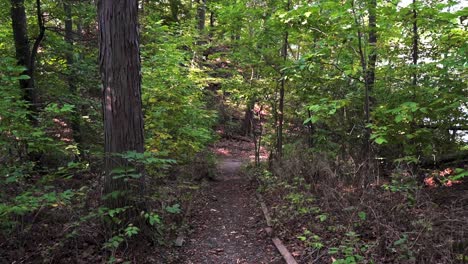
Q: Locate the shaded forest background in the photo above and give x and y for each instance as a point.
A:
(360, 104)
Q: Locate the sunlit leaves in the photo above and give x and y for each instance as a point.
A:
(177, 119)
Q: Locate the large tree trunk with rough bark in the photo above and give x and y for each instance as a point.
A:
(121, 80)
(23, 51)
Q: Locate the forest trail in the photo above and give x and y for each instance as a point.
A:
(228, 223)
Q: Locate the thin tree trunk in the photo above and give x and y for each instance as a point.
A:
(120, 72)
(258, 134)
(249, 114)
(415, 49)
(212, 25)
(284, 54)
(370, 80)
(370, 72)
(248, 117)
(415, 57)
(75, 121)
(212, 20)
(368, 67)
(310, 139)
(201, 15)
(174, 5)
(362, 57)
(37, 43)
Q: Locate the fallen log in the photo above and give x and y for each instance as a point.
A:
(265, 210)
(287, 256)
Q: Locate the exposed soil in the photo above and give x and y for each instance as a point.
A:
(227, 222)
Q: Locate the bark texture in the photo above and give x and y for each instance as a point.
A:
(120, 71)
(22, 48)
(201, 14)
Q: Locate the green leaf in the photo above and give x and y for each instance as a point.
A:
(362, 215)
(131, 230)
(333, 250)
(380, 140)
(399, 118)
(302, 238)
(175, 209)
(322, 217)
(401, 241)
(23, 77)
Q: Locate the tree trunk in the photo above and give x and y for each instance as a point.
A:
(370, 70)
(284, 54)
(35, 48)
(415, 51)
(75, 122)
(120, 72)
(311, 130)
(23, 53)
(174, 5)
(201, 15)
(369, 85)
(248, 116)
(212, 25)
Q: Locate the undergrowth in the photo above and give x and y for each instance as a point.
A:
(326, 218)
(61, 217)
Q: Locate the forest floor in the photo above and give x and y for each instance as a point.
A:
(227, 222)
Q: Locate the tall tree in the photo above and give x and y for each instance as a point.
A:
(415, 48)
(284, 55)
(23, 51)
(368, 64)
(175, 6)
(75, 122)
(370, 70)
(36, 45)
(201, 15)
(121, 80)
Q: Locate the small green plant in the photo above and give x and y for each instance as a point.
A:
(362, 215)
(407, 185)
(322, 217)
(311, 240)
(402, 248)
(31, 201)
(116, 241)
(152, 218)
(350, 251)
(175, 209)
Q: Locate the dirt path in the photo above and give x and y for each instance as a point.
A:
(227, 223)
